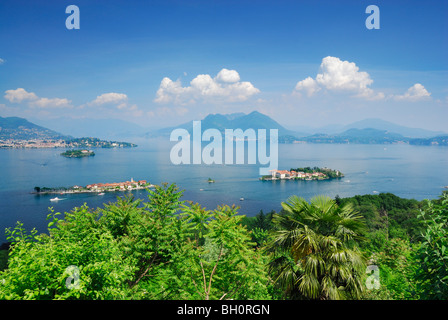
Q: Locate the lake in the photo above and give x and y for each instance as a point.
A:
(418, 172)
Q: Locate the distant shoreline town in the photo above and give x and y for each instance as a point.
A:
(61, 143)
(306, 173)
(96, 188)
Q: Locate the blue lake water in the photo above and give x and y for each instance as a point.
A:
(418, 172)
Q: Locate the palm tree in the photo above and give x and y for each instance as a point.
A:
(314, 249)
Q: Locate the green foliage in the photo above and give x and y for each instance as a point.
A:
(397, 217)
(329, 173)
(260, 225)
(159, 249)
(405, 239)
(397, 267)
(432, 274)
(314, 252)
(77, 153)
(167, 248)
(37, 264)
(227, 266)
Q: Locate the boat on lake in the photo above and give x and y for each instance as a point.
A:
(55, 199)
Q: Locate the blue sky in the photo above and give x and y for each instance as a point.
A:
(160, 63)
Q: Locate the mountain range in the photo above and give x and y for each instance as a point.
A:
(364, 136)
(254, 120)
(368, 131)
(16, 128)
(376, 124)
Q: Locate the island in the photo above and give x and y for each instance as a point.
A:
(77, 153)
(305, 173)
(96, 188)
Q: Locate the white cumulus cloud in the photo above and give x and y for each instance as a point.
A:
(51, 103)
(18, 95)
(21, 95)
(414, 93)
(339, 76)
(111, 97)
(117, 100)
(229, 76)
(225, 86)
(308, 85)
(342, 75)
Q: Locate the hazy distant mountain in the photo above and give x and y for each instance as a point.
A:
(21, 129)
(369, 132)
(109, 129)
(392, 127)
(365, 131)
(15, 128)
(363, 136)
(254, 120)
(375, 123)
(372, 136)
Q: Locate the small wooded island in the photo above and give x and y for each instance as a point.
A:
(77, 153)
(306, 173)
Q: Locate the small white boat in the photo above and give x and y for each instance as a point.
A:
(241, 199)
(101, 194)
(55, 199)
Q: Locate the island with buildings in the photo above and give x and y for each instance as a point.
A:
(96, 188)
(78, 153)
(305, 173)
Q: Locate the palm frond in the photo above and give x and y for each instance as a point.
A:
(318, 240)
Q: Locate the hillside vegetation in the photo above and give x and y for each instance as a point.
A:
(166, 248)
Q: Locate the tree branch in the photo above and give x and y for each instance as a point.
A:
(205, 281)
(214, 269)
(146, 271)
